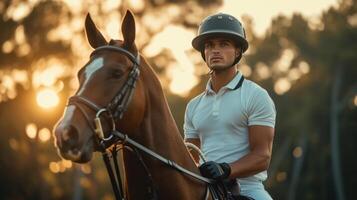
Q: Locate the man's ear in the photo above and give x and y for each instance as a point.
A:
(238, 52)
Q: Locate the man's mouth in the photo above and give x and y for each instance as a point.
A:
(216, 59)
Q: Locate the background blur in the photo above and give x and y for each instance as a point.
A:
(303, 52)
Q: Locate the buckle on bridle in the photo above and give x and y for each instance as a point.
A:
(98, 124)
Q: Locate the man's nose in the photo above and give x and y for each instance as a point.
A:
(215, 52)
(215, 49)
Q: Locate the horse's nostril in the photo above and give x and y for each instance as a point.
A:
(70, 137)
(67, 132)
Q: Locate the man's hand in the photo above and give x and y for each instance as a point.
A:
(217, 171)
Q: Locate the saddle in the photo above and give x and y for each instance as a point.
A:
(227, 190)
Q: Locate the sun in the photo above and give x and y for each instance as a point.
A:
(47, 98)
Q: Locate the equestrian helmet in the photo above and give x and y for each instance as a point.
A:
(220, 25)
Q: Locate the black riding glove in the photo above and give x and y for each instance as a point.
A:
(216, 171)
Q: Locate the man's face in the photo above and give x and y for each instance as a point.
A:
(220, 53)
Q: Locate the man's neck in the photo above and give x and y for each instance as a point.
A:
(222, 78)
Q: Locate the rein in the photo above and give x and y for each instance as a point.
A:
(115, 110)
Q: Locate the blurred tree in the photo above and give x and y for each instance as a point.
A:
(312, 106)
(37, 36)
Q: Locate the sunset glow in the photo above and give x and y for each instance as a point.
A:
(31, 130)
(281, 86)
(44, 134)
(182, 72)
(47, 98)
(53, 70)
(54, 167)
(263, 11)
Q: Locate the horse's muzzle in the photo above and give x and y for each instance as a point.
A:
(67, 142)
(66, 137)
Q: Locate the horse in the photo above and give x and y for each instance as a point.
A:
(107, 80)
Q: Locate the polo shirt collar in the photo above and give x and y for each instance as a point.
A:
(232, 85)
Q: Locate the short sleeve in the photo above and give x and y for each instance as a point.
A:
(261, 109)
(189, 130)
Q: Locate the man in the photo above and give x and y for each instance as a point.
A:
(233, 120)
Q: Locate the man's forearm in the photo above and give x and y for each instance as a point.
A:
(249, 165)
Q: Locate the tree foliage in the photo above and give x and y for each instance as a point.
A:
(320, 73)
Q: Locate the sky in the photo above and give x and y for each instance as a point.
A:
(262, 12)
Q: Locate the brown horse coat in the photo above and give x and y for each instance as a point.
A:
(148, 121)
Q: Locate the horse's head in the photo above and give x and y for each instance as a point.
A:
(105, 82)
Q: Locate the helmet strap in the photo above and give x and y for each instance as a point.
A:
(237, 58)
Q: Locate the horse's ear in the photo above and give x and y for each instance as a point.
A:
(94, 37)
(128, 29)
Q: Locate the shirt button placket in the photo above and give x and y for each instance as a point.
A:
(216, 106)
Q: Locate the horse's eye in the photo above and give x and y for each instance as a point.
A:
(116, 74)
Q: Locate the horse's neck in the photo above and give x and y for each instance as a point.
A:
(163, 136)
(160, 134)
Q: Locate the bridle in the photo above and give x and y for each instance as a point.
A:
(115, 110)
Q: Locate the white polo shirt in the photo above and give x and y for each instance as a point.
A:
(220, 120)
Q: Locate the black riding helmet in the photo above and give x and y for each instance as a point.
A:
(221, 25)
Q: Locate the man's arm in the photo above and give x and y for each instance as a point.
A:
(194, 154)
(258, 159)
